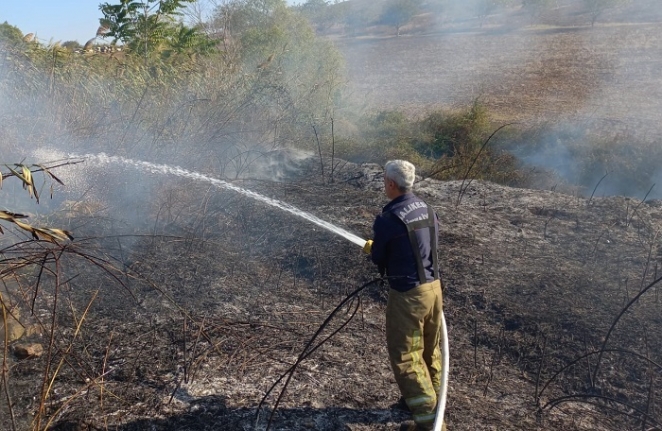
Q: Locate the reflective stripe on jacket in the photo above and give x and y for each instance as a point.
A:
(392, 250)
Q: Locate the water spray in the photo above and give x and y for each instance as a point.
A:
(102, 158)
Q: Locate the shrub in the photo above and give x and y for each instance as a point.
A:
(453, 133)
(445, 144)
(581, 155)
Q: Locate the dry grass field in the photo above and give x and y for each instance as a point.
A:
(554, 68)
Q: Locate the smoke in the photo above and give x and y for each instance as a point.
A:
(610, 135)
(222, 126)
(588, 97)
(579, 87)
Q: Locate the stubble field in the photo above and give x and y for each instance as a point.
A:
(607, 76)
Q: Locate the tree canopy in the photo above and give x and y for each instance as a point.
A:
(399, 12)
(10, 34)
(152, 26)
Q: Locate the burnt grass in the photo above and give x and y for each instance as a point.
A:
(204, 314)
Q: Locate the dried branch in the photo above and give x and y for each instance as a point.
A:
(466, 175)
(307, 351)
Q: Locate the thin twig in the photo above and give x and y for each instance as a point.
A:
(195, 347)
(333, 150)
(542, 360)
(5, 367)
(74, 396)
(585, 399)
(307, 351)
(319, 148)
(184, 349)
(103, 369)
(49, 355)
(650, 385)
(304, 354)
(71, 344)
(495, 359)
(597, 352)
(634, 210)
(596, 187)
(613, 325)
(466, 175)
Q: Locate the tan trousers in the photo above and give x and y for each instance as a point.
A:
(413, 325)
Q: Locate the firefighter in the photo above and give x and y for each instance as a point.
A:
(404, 248)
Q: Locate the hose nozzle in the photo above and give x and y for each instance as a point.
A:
(367, 247)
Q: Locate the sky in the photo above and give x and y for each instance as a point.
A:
(53, 20)
(56, 20)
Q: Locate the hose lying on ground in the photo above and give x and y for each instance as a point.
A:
(441, 402)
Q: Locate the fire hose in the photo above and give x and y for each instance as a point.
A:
(441, 402)
(443, 390)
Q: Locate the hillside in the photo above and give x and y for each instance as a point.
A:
(553, 67)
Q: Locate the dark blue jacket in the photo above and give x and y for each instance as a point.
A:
(392, 250)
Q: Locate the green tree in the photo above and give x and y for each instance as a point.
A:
(151, 26)
(72, 45)
(317, 12)
(322, 14)
(239, 16)
(253, 30)
(292, 78)
(10, 34)
(398, 13)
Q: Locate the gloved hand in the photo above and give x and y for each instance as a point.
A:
(367, 248)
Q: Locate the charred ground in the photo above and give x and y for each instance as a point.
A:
(214, 311)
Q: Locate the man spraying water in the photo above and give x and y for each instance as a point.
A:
(405, 249)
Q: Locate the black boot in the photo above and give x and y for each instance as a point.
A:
(400, 405)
